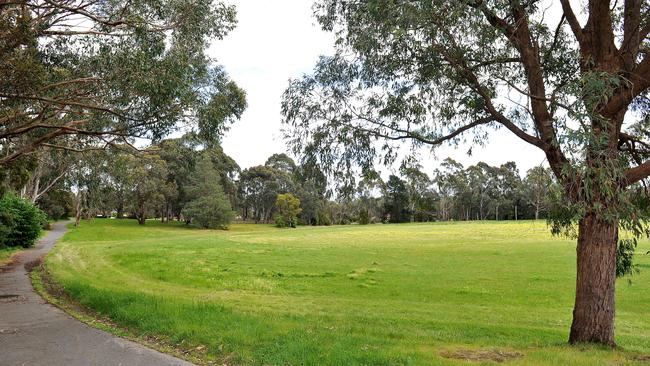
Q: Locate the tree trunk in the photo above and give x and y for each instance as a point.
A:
(142, 215)
(77, 215)
(120, 209)
(593, 314)
(37, 185)
(161, 212)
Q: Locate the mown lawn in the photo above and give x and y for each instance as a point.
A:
(413, 294)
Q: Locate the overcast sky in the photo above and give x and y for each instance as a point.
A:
(278, 40)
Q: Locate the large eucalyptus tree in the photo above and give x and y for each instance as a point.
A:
(80, 74)
(570, 78)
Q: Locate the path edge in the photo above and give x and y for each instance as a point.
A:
(54, 294)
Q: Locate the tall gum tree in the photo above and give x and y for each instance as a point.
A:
(570, 78)
(81, 75)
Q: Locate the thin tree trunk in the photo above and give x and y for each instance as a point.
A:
(37, 185)
(120, 207)
(593, 314)
(412, 212)
(163, 213)
(142, 215)
(77, 217)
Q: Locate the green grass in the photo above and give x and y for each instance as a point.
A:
(347, 295)
(7, 253)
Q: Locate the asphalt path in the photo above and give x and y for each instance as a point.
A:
(35, 333)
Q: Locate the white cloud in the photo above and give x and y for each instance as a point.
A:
(278, 40)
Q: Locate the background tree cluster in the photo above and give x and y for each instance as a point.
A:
(452, 192)
(191, 180)
(78, 77)
(179, 179)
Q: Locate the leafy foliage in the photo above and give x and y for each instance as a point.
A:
(209, 207)
(259, 187)
(624, 257)
(87, 74)
(397, 200)
(20, 222)
(287, 210)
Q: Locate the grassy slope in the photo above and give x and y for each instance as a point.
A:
(379, 294)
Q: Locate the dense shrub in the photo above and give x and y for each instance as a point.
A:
(324, 219)
(210, 212)
(287, 210)
(20, 222)
(364, 217)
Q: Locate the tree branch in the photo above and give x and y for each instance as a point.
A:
(636, 174)
(38, 195)
(406, 134)
(521, 38)
(637, 83)
(66, 102)
(573, 21)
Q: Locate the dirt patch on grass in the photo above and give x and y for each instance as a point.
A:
(29, 266)
(480, 355)
(9, 263)
(641, 358)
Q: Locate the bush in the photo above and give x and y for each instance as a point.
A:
(324, 219)
(20, 222)
(288, 209)
(364, 217)
(209, 212)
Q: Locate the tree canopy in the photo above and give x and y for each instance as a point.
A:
(83, 74)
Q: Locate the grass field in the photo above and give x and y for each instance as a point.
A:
(414, 294)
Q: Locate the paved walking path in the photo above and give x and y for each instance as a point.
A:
(34, 333)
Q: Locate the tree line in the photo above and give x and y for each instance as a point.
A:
(185, 179)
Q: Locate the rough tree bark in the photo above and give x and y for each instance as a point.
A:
(593, 314)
